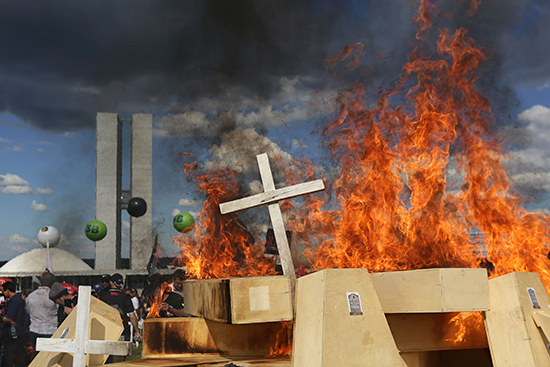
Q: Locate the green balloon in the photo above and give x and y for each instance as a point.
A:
(96, 230)
(184, 222)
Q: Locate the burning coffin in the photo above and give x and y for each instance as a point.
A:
(420, 318)
(240, 300)
(385, 319)
(169, 337)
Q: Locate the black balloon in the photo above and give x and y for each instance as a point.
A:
(137, 207)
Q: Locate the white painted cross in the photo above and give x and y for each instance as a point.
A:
(80, 345)
(271, 197)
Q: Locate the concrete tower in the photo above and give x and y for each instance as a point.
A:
(109, 189)
(141, 229)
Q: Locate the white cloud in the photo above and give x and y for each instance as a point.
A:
(42, 142)
(38, 207)
(10, 179)
(15, 245)
(125, 224)
(15, 238)
(17, 190)
(529, 168)
(537, 153)
(13, 184)
(2, 140)
(42, 191)
(187, 202)
(15, 148)
(40, 150)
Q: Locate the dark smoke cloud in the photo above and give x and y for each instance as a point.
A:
(64, 61)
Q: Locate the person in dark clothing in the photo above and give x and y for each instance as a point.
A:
(172, 305)
(14, 328)
(105, 285)
(117, 298)
(60, 295)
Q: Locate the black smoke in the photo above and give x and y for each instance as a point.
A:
(63, 61)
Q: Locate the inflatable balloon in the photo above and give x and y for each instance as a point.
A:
(48, 234)
(136, 207)
(184, 222)
(96, 230)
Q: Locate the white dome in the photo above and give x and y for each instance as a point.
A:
(34, 262)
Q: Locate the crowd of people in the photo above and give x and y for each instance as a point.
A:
(27, 316)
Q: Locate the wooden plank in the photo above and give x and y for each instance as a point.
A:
(114, 348)
(240, 300)
(177, 336)
(273, 196)
(514, 338)
(330, 330)
(283, 246)
(432, 290)
(207, 361)
(542, 320)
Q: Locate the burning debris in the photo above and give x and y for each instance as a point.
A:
(420, 166)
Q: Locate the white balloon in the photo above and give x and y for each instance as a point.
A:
(48, 234)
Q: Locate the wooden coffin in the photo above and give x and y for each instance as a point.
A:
(268, 299)
(240, 300)
(518, 301)
(175, 336)
(340, 322)
(105, 324)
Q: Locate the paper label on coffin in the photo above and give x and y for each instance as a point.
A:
(354, 303)
(533, 297)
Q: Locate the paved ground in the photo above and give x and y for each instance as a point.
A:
(207, 361)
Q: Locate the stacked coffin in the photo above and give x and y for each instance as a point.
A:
(419, 318)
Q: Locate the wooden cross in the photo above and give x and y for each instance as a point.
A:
(271, 198)
(80, 345)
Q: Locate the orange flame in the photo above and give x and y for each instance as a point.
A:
(466, 325)
(394, 204)
(420, 168)
(220, 246)
(156, 299)
(283, 345)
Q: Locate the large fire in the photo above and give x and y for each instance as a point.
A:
(420, 169)
(394, 205)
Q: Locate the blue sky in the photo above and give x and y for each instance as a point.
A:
(224, 81)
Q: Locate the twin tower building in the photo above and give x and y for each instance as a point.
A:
(111, 199)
